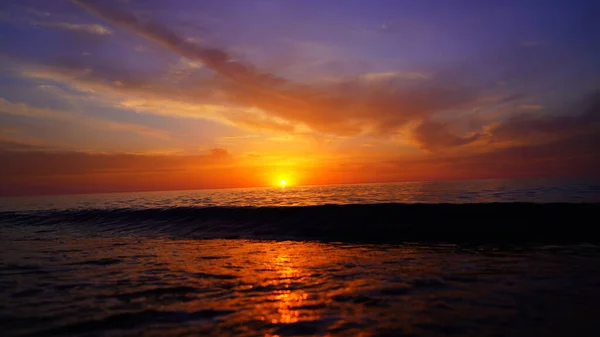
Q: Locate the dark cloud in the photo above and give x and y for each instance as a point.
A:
(574, 156)
(219, 153)
(10, 145)
(527, 127)
(526, 145)
(434, 136)
(520, 129)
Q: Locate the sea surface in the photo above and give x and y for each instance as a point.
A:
(541, 190)
(475, 258)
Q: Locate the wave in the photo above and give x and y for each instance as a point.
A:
(357, 222)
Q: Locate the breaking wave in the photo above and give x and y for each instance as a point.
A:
(357, 222)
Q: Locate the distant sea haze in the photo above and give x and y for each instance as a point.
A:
(542, 190)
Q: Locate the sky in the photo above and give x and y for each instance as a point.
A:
(132, 95)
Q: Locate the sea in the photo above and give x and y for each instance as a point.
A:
(514, 257)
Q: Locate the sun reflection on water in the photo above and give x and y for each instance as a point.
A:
(287, 299)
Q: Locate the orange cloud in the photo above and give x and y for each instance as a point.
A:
(345, 108)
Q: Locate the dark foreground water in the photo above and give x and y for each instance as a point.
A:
(164, 264)
(154, 287)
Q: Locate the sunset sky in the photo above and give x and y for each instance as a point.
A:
(116, 95)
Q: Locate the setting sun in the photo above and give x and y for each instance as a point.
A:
(282, 182)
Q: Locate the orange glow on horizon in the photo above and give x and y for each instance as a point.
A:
(36, 173)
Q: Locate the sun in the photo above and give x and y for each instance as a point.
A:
(282, 182)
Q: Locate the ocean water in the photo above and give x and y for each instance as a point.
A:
(479, 258)
(541, 190)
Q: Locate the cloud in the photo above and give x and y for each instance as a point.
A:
(36, 12)
(349, 107)
(534, 128)
(95, 29)
(571, 156)
(531, 107)
(520, 130)
(11, 145)
(219, 153)
(435, 136)
(377, 104)
(152, 94)
(241, 137)
(394, 75)
(22, 109)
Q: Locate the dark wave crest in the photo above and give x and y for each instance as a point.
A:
(359, 222)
